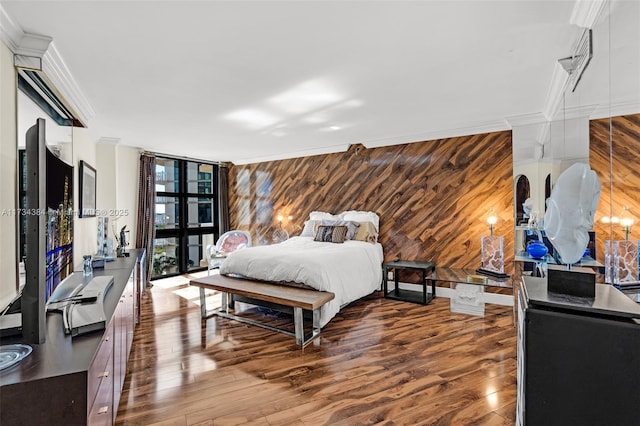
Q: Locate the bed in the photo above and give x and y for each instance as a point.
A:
(350, 269)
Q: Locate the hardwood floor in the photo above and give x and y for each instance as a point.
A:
(378, 362)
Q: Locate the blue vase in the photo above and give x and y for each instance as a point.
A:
(586, 253)
(537, 249)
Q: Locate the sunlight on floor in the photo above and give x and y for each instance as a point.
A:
(180, 280)
(182, 289)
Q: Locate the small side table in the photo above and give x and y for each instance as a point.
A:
(425, 268)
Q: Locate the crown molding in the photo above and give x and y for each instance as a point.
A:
(526, 119)
(10, 32)
(19, 42)
(475, 129)
(288, 155)
(56, 69)
(105, 140)
(587, 13)
(471, 129)
(28, 48)
(582, 111)
(615, 110)
(559, 80)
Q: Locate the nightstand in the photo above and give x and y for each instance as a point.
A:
(424, 268)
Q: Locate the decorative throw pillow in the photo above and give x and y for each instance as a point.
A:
(367, 232)
(352, 227)
(331, 234)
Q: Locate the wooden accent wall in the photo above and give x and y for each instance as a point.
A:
(625, 180)
(433, 197)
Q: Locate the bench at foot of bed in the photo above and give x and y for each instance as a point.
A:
(297, 298)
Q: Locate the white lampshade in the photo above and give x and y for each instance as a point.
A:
(626, 220)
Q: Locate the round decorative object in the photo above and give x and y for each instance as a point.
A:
(13, 354)
(537, 249)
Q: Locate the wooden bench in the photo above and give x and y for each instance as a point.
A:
(297, 298)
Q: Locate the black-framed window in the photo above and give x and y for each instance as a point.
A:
(186, 215)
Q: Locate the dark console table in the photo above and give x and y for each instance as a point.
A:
(578, 358)
(425, 269)
(77, 380)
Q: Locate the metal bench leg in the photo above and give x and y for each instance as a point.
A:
(316, 320)
(298, 323)
(224, 306)
(203, 303)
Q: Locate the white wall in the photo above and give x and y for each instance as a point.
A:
(127, 167)
(8, 174)
(117, 175)
(106, 163)
(84, 228)
(116, 191)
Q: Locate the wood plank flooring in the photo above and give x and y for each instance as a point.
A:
(378, 362)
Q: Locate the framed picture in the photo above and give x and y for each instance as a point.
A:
(87, 190)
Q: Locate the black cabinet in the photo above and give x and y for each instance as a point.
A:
(578, 358)
(77, 380)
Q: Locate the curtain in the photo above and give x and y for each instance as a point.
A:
(223, 199)
(145, 225)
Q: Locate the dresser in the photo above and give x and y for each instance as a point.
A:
(578, 358)
(77, 380)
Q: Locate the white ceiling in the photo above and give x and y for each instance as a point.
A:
(248, 81)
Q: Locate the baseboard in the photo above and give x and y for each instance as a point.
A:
(494, 298)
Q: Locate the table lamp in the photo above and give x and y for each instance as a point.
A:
(626, 220)
(492, 220)
(492, 255)
(621, 257)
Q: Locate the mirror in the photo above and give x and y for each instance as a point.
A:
(608, 89)
(59, 140)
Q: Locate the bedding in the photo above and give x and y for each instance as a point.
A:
(350, 270)
(310, 228)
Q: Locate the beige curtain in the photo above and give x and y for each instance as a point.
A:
(145, 225)
(223, 199)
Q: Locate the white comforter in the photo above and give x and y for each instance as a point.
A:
(350, 270)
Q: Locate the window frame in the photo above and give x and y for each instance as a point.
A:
(183, 231)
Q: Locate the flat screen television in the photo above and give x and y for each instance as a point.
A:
(49, 229)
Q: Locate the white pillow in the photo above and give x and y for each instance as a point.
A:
(362, 216)
(310, 227)
(315, 215)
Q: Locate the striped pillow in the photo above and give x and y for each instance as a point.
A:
(331, 234)
(352, 227)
